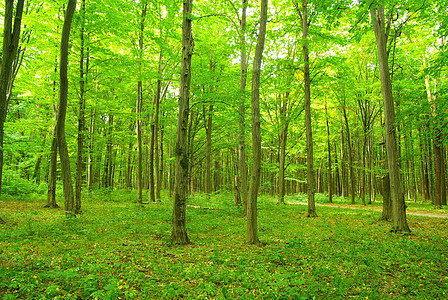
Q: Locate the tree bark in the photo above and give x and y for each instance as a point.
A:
(242, 109)
(69, 201)
(350, 158)
(81, 117)
(11, 35)
(309, 131)
(179, 231)
(138, 111)
(284, 124)
(252, 229)
(208, 117)
(398, 203)
(330, 176)
(51, 193)
(91, 156)
(157, 99)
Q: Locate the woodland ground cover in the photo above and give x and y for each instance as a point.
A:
(118, 249)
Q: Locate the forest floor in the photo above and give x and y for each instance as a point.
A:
(118, 249)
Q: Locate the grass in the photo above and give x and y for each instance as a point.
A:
(121, 250)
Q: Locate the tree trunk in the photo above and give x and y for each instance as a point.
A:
(152, 142)
(284, 124)
(81, 118)
(344, 177)
(252, 229)
(51, 194)
(69, 201)
(444, 183)
(398, 204)
(330, 177)
(170, 154)
(208, 116)
(350, 158)
(138, 110)
(11, 35)
(157, 98)
(243, 79)
(309, 129)
(90, 158)
(386, 215)
(179, 230)
(443, 179)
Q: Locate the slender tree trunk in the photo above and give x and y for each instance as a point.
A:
(443, 179)
(344, 185)
(284, 124)
(242, 136)
(179, 230)
(337, 172)
(91, 156)
(330, 177)
(51, 194)
(69, 201)
(252, 228)
(363, 172)
(161, 178)
(11, 35)
(157, 99)
(170, 154)
(152, 142)
(385, 182)
(412, 164)
(129, 162)
(309, 129)
(81, 118)
(350, 158)
(111, 153)
(282, 159)
(208, 152)
(398, 204)
(138, 111)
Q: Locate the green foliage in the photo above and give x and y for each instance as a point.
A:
(18, 187)
(120, 249)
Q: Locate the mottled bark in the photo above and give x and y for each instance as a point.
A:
(252, 228)
(69, 201)
(179, 231)
(309, 130)
(398, 203)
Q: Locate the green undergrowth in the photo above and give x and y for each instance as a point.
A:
(118, 249)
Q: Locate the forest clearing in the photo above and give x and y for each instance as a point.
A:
(119, 249)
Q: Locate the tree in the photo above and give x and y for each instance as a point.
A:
(81, 115)
(242, 108)
(179, 231)
(9, 64)
(309, 130)
(393, 155)
(69, 201)
(252, 229)
(138, 109)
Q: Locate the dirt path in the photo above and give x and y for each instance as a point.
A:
(376, 208)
